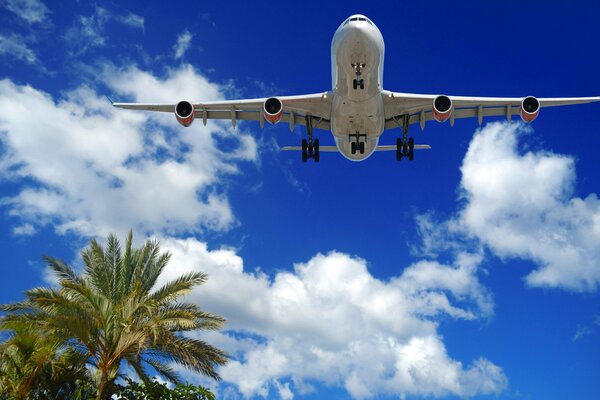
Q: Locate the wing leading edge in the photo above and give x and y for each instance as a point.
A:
(419, 107)
(295, 109)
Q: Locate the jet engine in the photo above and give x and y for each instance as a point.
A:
(442, 108)
(273, 110)
(184, 112)
(530, 108)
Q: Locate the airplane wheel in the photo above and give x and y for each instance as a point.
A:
(304, 150)
(362, 83)
(353, 147)
(398, 144)
(361, 147)
(316, 149)
(411, 143)
(411, 154)
(355, 84)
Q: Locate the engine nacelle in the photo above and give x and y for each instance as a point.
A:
(273, 109)
(442, 108)
(184, 112)
(530, 108)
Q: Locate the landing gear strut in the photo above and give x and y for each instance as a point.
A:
(357, 144)
(358, 82)
(310, 148)
(405, 146)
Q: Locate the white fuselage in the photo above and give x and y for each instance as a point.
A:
(357, 111)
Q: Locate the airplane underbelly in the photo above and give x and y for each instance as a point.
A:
(351, 117)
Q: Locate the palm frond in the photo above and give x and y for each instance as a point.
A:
(165, 370)
(178, 287)
(62, 270)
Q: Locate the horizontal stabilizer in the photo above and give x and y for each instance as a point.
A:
(391, 147)
(321, 148)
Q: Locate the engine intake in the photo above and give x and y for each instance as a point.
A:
(184, 112)
(530, 108)
(442, 108)
(273, 110)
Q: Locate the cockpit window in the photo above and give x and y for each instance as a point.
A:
(358, 19)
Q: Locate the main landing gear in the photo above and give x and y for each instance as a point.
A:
(310, 149)
(358, 82)
(405, 147)
(357, 144)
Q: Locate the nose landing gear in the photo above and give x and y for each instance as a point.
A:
(358, 82)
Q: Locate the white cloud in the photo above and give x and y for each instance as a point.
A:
(32, 11)
(24, 230)
(183, 43)
(16, 46)
(331, 322)
(522, 205)
(98, 169)
(89, 31)
(131, 19)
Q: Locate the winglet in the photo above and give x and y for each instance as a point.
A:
(112, 103)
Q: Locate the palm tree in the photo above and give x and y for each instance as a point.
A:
(113, 313)
(34, 365)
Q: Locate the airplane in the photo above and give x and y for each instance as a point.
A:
(357, 110)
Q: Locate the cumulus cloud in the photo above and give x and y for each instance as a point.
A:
(86, 167)
(329, 321)
(183, 43)
(16, 46)
(32, 11)
(521, 205)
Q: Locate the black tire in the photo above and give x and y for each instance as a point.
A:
(304, 150)
(355, 84)
(353, 147)
(411, 144)
(316, 150)
(361, 147)
(411, 154)
(398, 145)
(362, 83)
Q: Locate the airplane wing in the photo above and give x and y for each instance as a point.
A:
(419, 107)
(295, 108)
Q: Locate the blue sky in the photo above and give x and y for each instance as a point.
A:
(472, 271)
